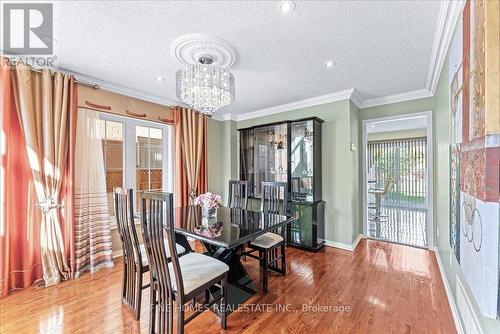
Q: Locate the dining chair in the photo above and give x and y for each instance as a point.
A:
(135, 260)
(184, 278)
(238, 194)
(273, 200)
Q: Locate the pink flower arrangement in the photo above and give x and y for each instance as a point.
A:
(208, 201)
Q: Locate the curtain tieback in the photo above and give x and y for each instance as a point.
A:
(192, 196)
(48, 204)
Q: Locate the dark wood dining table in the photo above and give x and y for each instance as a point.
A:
(224, 238)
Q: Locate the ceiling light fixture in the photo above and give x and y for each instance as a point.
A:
(286, 6)
(160, 79)
(329, 64)
(205, 87)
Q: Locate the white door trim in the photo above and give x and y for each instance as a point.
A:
(430, 178)
(130, 163)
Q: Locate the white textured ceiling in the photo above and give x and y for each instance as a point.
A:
(380, 47)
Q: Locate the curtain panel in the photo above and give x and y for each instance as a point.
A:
(190, 155)
(93, 248)
(20, 259)
(43, 106)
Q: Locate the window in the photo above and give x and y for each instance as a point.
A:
(112, 150)
(149, 162)
(137, 154)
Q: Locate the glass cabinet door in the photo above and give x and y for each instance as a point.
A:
(270, 155)
(302, 161)
(246, 159)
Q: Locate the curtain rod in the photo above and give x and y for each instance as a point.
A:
(78, 81)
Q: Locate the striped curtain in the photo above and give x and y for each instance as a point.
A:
(93, 249)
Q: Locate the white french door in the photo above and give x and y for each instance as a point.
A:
(138, 154)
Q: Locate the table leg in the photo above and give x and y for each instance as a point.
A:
(241, 286)
(182, 240)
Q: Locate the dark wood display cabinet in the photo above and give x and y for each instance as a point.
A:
(288, 151)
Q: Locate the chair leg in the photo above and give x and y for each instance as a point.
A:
(283, 258)
(138, 295)
(223, 316)
(207, 298)
(264, 269)
(152, 310)
(170, 316)
(163, 309)
(124, 282)
(180, 320)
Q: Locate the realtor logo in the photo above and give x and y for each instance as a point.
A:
(27, 28)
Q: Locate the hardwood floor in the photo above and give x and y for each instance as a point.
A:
(388, 288)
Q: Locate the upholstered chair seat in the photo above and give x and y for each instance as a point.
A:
(267, 240)
(197, 270)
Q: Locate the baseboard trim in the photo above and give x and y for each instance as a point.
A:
(344, 246)
(449, 294)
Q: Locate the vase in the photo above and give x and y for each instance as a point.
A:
(208, 214)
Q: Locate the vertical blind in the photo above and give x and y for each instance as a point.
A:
(405, 161)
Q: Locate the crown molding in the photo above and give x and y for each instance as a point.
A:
(356, 98)
(314, 101)
(449, 14)
(138, 94)
(407, 96)
(224, 117)
(349, 94)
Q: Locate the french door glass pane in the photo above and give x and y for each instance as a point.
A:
(112, 150)
(149, 160)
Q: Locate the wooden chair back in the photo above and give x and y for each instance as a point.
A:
(157, 217)
(238, 194)
(274, 197)
(124, 213)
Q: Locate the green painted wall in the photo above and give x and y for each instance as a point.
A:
(216, 146)
(400, 108)
(338, 164)
(222, 145)
(357, 177)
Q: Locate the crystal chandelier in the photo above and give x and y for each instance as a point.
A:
(205, 87)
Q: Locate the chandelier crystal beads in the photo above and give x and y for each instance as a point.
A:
(204, 87)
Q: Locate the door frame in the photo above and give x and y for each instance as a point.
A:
(430, 178)
(129, 158)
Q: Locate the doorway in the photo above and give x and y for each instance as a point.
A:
(397, 154)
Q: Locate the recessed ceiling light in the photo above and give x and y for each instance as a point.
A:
(329, 64)
(160, 79)
(286, 6)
